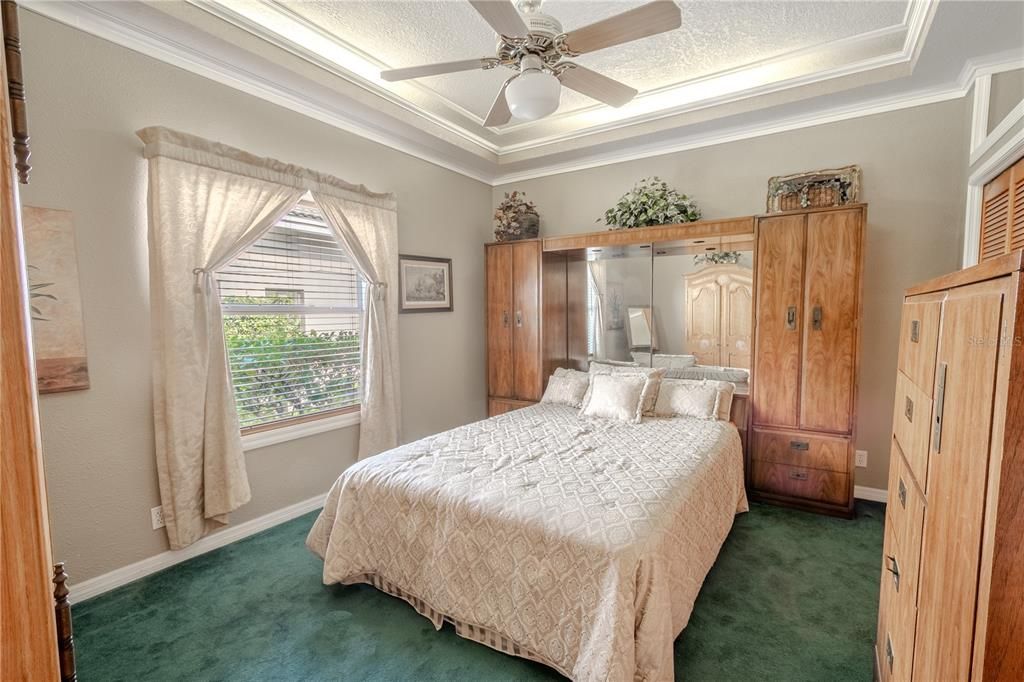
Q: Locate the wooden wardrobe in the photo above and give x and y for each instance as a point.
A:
(952, 593)
(1002, 214)
(806, 342)
(524, 345)
(719, 299)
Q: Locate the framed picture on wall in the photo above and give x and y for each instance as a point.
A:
(424, 284)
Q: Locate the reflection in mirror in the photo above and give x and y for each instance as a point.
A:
(618, 284)
(702, 309)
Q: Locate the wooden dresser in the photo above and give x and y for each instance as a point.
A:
(524, 345)
(806, 339)
(952, 593)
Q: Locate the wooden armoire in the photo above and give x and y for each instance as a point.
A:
(806, 342)
(1002, 213)
(523, 344)
(952, 592)
(718, 313)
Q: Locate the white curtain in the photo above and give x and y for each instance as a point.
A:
(207, 203)
(368, 230)
(596, 269)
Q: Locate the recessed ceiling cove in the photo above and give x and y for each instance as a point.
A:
(722, 53)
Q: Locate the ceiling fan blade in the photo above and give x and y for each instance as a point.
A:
(434, 69)
(646, 20)
(499, 113)
(503, 17)
(592, 84)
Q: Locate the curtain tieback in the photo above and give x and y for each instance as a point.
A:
(379, 290)
(201, 278)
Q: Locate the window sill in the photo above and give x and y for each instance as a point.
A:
(262, 439)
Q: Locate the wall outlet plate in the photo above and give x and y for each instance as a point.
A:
(861, 458)
(157, 514)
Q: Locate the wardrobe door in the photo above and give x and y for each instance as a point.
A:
(736, 316)
(780, 263)
(957, 467)
(1017, 206)
(526, 367)
(831, 310)
(995, 217)
(499, 322)
(703, 320)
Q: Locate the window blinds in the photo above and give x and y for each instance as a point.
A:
(293, 310)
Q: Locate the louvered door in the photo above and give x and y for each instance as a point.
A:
(1002, 213)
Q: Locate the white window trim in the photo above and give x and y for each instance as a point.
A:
(262, 439)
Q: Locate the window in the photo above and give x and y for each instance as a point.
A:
(293, 311)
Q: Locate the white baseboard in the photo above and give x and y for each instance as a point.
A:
(874, 494)
(140, 569)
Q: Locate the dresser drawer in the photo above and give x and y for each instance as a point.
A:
(919, 337)
(800, 449)
(912, 425)
(905, 511)
(897, 616)
(819, 485)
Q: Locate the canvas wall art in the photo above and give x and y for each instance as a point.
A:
(58, 334)
(424, 284)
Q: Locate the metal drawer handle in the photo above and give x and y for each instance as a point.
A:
(940, 406)
(791, 318)
(908, 410)
(888, 651)
(903, 494)
(816, 318)
(915, 331)
(798, 475)
(895, 570)
(799, 445)
(519, 318)
(504, 318)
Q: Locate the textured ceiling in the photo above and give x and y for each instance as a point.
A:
(716, 36)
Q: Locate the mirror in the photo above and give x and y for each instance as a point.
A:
(619, 318)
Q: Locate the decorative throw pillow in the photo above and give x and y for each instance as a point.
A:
(690, 398)
(615, 396)
(567, 388)
(674, 361)
(653, 375)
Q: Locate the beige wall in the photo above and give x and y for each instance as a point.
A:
(914, 163)
(87, 97)
(1006, 92)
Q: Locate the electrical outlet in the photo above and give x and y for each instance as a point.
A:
(862, 458)
(157, 514)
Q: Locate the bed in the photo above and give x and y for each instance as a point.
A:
(580, 543)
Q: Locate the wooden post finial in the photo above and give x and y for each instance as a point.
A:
(65, 636)
(16, 89)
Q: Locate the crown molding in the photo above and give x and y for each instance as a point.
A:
(92, 18)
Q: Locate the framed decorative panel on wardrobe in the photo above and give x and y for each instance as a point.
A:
(806, 346)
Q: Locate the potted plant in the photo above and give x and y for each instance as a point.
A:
(516, 218)
(651, 202)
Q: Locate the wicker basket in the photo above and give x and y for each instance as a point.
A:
(817, 189)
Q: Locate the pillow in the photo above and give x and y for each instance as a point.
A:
(615, 396)
(566, 389)
(653, 375)
(674, 361)
(613, 363)
(737, 375)
(689, 398)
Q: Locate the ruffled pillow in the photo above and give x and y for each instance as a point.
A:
(566, 388)
(615, 396)
(653, 376)
(690, 398)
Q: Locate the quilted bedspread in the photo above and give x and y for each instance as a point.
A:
(582, 541)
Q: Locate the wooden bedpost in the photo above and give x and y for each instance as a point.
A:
(16, 89)
(65, 637)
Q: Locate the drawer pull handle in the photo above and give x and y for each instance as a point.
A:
(908, 410)
(519, 318)
(895, 570)
(903, 494)
(915, 331)
(799, 445)
(888, 651)
(791, 318)
(816, 318)
(504, 318)
(940, 405)
(798, 475)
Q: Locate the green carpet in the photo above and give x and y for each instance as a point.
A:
(793, 596)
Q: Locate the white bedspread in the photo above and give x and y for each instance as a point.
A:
(583, 541)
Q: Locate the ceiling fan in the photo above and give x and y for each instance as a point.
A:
(533, 44)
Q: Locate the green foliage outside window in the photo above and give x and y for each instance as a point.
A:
(281, 370)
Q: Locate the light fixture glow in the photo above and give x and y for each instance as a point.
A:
(534, 94)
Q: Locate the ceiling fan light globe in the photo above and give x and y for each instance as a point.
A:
(533, 95)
